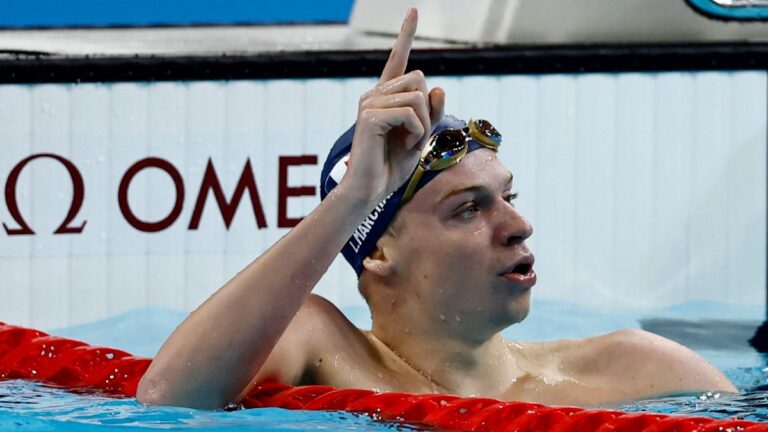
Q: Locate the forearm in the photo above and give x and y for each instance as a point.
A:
(218, 350)
(220, 347)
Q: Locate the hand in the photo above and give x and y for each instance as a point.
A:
(394, 122)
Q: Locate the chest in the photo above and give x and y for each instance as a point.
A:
(379, 372)
(366, 367)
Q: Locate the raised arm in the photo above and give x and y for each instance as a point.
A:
(218, 350)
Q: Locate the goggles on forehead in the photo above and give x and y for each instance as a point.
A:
(446, 148)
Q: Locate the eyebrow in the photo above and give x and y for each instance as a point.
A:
(469, 189)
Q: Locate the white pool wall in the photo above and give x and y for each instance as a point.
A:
(645, 190)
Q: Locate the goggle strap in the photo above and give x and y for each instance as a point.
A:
(411, 189)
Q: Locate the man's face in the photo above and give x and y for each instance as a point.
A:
(461, 248)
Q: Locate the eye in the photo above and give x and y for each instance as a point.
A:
(467, 211)
(510, 198)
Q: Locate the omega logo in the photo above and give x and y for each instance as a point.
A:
(209, 184)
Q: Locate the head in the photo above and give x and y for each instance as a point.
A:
(455, 253)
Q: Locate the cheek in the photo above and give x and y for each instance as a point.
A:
(434, 250)
(450, 260)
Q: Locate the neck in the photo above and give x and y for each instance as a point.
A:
(452, 363)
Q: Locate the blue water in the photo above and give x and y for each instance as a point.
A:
(33, 407)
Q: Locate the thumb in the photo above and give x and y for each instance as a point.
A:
(436, 106)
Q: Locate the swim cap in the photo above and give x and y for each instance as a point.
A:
(366, 235)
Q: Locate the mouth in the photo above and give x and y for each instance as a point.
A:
(521, 271)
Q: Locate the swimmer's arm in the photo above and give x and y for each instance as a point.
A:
(646, 365)
(221, 346)
(215, 354)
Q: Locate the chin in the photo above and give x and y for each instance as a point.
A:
(521, 316)
(515, 313)
(519, 309)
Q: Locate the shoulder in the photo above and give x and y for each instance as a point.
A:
(316, 307)
(318, 321)
(646, 364)
(318, 326)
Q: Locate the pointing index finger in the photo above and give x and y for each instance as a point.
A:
(398, 57)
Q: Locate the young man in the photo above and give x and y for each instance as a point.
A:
(443, 264)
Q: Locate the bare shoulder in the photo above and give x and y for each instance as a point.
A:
(318, 308)
(318, 326)
(634, 362)
(645, 363)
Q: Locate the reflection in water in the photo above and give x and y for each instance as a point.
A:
(39, 407)
(35, 407)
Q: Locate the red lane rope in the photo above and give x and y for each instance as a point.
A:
(35, 355)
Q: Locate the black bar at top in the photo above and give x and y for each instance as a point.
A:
(30, 67)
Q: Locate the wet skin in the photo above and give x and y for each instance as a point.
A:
(440, 299)
(458, 241)
(440, 288)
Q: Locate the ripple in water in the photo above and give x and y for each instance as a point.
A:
(31, 406)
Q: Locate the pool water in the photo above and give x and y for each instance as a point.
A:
(34, 407)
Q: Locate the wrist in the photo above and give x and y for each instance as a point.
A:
(366, 198)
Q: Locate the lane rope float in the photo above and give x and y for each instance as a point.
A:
(34, 355)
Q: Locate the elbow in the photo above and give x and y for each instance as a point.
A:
(155, 391)
(150, 392)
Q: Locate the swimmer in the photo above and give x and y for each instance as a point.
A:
(443, 266)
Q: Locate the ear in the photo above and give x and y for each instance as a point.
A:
(378, 261)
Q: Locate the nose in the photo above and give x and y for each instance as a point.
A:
(513, 227)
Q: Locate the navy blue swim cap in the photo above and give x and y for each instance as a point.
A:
(366, 235)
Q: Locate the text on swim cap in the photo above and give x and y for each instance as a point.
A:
(362, 231)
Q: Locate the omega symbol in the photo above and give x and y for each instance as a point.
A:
(74, 208)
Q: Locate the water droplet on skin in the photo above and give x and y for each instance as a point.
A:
(458, 318)
(442, 317)
(336, 361)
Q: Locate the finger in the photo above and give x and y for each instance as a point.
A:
(398, 57)
(436, 106)
(413, 99)
(413, 80)
(385, 120)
